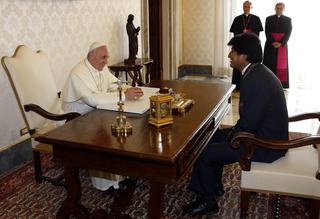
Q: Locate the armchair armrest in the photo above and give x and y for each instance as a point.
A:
(56, 117)
(305, 116)
(249, 140)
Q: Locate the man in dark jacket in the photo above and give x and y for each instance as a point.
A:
(245, 22)
(263, 112)
(278, 31)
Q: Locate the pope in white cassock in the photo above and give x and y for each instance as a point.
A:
(90, 83)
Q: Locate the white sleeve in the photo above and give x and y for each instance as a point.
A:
(96, 99)
(73, 89)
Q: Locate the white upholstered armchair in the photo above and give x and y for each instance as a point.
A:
(295, 174)
(31, 79)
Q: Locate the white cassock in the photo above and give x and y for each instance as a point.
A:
(86, 88)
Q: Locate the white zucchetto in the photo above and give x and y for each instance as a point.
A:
(96, 45)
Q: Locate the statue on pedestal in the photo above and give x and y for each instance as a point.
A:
(133, 40)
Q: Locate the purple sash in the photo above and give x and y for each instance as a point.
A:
(282, 64)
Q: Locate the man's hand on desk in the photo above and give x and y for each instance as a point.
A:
(133, 93)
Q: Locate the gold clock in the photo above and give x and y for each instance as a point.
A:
(161, 110)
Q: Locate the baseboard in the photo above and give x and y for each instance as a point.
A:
(15, 155)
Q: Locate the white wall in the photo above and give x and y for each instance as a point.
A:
(198, 27)
(63, 29)
(205, 36)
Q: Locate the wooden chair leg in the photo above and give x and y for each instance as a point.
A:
(57, 181)
(314, 208)
(244, 203)
(37, 166)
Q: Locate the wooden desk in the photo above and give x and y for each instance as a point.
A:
(134, 70)
(161, 156)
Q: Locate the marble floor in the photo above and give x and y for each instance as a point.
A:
(299, 100)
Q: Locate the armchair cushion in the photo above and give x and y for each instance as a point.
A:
(292, 174)
(30, 75)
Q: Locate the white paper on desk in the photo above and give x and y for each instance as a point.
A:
(139, 106)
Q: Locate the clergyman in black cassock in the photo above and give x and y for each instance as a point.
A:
(263, 112)
(244, 23)
(278, 30)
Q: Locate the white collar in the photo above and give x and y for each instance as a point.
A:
(245, 68)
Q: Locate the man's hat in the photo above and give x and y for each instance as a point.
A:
(96, 45)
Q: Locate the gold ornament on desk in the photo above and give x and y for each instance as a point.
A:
(121, 127)
(181, 105)
(161, 108)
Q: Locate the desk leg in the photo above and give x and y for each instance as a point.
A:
(71, 206)
(148, 73)
(156, 200)
(133, 77)
(136, 77)
(139, 78)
